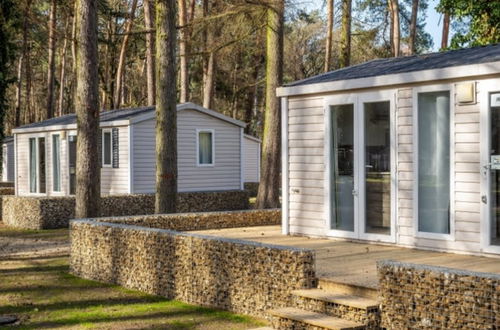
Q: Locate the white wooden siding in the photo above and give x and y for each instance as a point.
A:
(8, 162)
(113, 180)
(306, 169)
(224, 175)
(306, 165)
(251, 151)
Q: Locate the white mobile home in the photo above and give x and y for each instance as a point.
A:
(402, 150)
(8, 159)
(251, 150)
(210, 153)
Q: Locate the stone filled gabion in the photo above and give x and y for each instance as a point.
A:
(201, 220)
(424, 297)
(55, 212)
(239, 276)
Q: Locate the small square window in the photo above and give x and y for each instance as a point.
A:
(205, 148)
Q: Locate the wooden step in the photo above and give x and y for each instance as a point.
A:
(339, 298)
(329, 284)
(315, 319)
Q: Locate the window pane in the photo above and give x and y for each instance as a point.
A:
(434, 162)
(107, 148)
(56, 163)
(72, 164)
(205, 148)
(41, 164)
(378, 167)
(33, 178)
(342, 167)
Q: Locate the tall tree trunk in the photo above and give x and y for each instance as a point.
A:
(345, 39)
(268, 194)
(19, 87)
(329, 35)
(166, 108)
(183, 52)
(209, 59)
(88, 182)
(52, 60)
(251, 96)
(446, 31)
(123, 52)
(396, 37)
(413, 26)
(150, 52)
(62, 77)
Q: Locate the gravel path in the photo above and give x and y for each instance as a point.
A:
(18, 247)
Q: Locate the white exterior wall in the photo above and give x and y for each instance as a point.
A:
(224, 175)
(306, 179)
(251, 151)
(8, 162)
(306, 171)
(113, 180)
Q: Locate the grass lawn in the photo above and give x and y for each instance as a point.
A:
(41, 292)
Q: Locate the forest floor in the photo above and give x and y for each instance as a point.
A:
(35, 286)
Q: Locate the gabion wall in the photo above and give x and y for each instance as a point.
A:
(55, 212)
(427, 297)
(239, 276)
(202, 220)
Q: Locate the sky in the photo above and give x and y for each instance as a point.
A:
(433, 26)
(434, 23)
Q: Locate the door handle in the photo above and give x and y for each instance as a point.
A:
(484, 199)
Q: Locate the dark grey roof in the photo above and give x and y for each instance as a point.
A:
(106, 116)
(8, 139)
(385, 66)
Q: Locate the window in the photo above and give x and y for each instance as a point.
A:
(434, 162)
(56, 163)
(205, 142)
(37, 165)
(106, 148)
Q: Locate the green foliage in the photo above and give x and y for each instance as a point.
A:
(9, 24)
(373, 15)
(482, 18)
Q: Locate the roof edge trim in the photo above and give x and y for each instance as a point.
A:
(453, 72)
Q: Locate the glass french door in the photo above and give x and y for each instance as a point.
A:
(361, 170)
(493, 169)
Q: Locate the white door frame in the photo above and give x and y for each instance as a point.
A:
(486, 88)
(379, 96)
(357, 100)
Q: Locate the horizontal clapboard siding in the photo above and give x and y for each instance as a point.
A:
(251, 150)
(306, 140)
(116, 180)
(113, 180)
(466, 169)
(224, 175)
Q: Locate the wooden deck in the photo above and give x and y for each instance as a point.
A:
(355, 263)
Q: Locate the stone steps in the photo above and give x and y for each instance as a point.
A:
(332, 305)
(295, 318)
(349, 300)
(349, 307)
(351, 289)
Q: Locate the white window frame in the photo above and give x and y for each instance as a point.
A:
(103, 151)
(358, 100)
(204, 130)
(433, 89)
(37, 169)
(68, 183)
(52, 164)
(486, 88)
